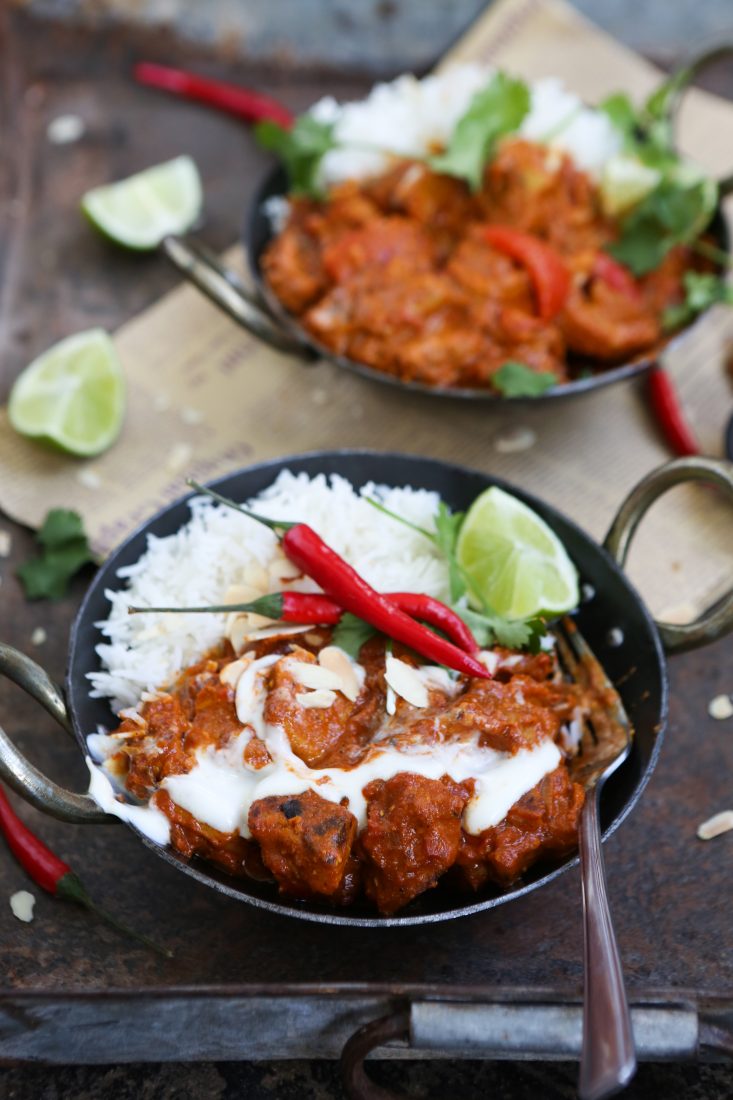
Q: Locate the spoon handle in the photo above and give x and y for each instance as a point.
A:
(608, 1058)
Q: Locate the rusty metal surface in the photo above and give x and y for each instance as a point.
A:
(667, 889)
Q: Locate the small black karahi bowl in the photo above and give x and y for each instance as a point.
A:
(259, 311)
(612, 618)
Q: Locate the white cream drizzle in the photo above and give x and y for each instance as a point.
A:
(219, 790)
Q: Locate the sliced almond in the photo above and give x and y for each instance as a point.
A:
(240, 627)
(716, 825)
(311, 675)
(405, 682)
(281, 571)
(231, 673)
(321, 699)
(336, 661)
(255, 575)
(21, 903)
(721, 707)
(241, 593)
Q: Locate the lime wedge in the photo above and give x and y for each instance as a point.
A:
(514, 561)
(624, 183)
(140, 211)
(72, 396)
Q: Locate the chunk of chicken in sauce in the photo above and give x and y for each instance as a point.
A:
(413, 835)
(394, 272)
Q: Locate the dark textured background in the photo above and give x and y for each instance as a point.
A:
(666, 888)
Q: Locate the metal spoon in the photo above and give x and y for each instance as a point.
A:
(608, 1058)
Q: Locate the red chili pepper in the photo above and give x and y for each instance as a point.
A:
(245, 103)
(437, 614)
(547, 270)
(309, 552)
(51, 873)
(308, 607)
(343, 584)
(615, 275)
(669, 414)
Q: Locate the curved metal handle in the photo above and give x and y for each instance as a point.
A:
(608, 1058)
(685, 75)
(357, 1084)
(719, 619)
(19, 773)
(225, 289)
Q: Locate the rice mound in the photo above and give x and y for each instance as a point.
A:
(214, 550)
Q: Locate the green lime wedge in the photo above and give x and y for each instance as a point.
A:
(625, 182)
(514, 561)
(72, 396)
(140, 211)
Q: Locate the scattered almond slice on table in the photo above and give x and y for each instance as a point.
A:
(716, 825)
(721, 707)
(22, 903)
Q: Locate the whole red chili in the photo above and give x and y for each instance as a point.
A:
(243, 102)
(342, 583)
(308, 607)
(287, 607)
(547, 269)
(668, 412)
(51, 873)
(438, 614)
(338, 579)
(616, 276)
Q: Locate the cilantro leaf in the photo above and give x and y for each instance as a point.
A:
(701, 292)
(497, 109)
(447, 526)
(515, 379)
(350, 634)
(64, 550)
(622, 113)
(674, 213)
(301, 149)
(492, 629)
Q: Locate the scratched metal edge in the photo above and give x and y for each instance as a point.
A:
(92, 1028)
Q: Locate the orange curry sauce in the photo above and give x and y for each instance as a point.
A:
(395, 272)
(413, 837)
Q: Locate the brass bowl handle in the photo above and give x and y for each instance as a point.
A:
(688, 72)
(357, 1083)
(224, 288)
(19, 773)
(715, 622)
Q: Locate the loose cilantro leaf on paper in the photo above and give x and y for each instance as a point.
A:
(301, 149)
(674, 213)
(497, 109)
(515, 379)
(350, 634)
(701, 292)
(64, 550)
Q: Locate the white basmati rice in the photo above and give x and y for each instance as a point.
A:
(216, 549)
(410, 118)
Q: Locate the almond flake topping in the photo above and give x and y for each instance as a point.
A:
(404, 681)
(231, 673)
(314, 676)
(321, 699)
(337, 662)
(716, 825)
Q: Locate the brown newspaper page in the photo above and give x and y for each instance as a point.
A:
(205, 398)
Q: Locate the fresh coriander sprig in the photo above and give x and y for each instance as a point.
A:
(487, 625)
